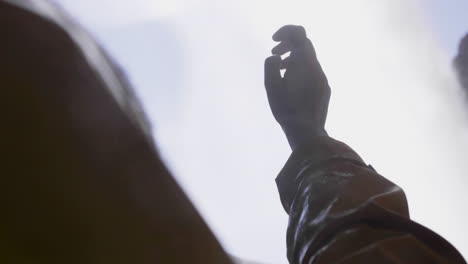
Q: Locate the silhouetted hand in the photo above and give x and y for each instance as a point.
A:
(464, 45)
(461, 63)
(299, 100)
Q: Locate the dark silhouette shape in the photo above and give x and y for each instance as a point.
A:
(82, 181)
(340, 210)
(461, 63)
(300, 110)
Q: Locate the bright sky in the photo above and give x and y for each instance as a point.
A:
(198, 68)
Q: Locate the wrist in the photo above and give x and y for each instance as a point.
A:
(301, 133)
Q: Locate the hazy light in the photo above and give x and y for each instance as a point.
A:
(394, 100)
(112, 13)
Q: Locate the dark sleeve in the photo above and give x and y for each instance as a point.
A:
(342, 211)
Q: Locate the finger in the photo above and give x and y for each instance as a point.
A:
(303, 57)
(464, 45)
(273, 77)
(285, 63)
(297, 60)
(282, 48)
(303, 62)
(292, 33)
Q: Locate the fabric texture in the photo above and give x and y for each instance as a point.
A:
(342, 211)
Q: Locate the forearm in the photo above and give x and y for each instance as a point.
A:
(339, 209)
(299, 133)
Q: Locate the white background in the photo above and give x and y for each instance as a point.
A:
(198, 68)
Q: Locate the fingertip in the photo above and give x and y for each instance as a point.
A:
(463, 47)
(282, 33)
(275, 50)
(290, 31)
(282, 48)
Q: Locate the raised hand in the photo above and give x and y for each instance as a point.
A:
(461, 63)
(299, 100)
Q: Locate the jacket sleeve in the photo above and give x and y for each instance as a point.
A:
(342, 211)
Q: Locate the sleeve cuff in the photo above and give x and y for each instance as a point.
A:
(313, 154)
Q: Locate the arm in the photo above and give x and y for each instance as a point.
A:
(340, 209)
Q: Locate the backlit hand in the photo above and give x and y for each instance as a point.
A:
(299, 100)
